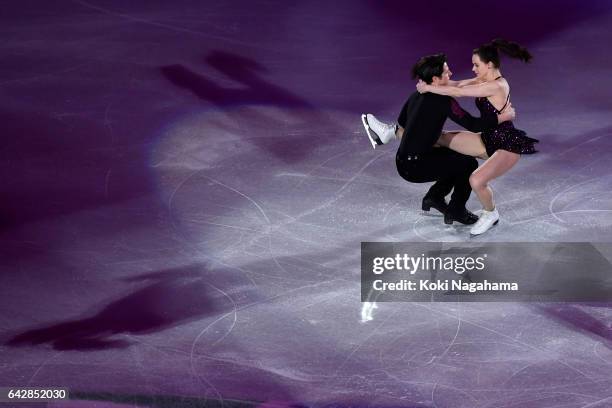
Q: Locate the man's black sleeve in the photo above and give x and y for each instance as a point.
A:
(461, 117)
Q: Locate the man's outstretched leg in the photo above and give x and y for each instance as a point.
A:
(378, 132)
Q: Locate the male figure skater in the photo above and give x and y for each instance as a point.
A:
(420, 125)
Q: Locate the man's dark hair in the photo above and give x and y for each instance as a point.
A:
(429, 67)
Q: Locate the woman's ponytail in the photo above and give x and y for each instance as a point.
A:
(512, 49)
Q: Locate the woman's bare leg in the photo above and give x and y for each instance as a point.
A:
(495, 166)
(399, 132)
(468, 143)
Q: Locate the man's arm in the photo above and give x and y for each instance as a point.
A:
(463, 118)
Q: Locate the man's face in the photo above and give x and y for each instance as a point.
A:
(442, 80)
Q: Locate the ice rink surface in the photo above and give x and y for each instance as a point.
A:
(185, 187)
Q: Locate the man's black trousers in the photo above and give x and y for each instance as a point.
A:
(450, 171)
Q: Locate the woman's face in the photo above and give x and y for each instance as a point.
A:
(479, 68)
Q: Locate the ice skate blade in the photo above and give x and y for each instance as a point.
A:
(374, 139)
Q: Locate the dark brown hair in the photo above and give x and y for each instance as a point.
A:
(490, 52)
(428, 67)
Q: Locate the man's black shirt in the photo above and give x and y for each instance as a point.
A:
(423, 117)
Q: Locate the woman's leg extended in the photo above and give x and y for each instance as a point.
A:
(495, 166)
(468, 143)
(399, 132)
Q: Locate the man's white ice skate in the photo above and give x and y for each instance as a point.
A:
(378, 132)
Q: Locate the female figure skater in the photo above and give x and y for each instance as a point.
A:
(502, 145)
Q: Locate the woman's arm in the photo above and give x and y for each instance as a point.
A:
(464, 82)
(479, 90)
